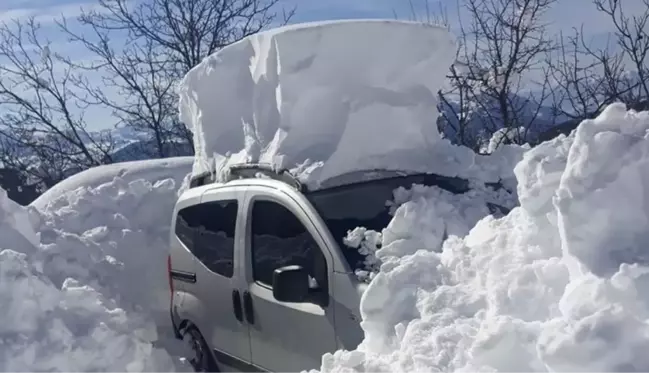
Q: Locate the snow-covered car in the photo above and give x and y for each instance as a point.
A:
(260, 277)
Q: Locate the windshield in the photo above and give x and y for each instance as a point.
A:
(347, 207)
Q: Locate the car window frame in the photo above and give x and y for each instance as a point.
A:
(291, 205)
(194, 249)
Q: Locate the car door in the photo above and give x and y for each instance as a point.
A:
(286, 337)
(219, 276)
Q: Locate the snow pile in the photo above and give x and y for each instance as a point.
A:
(559, 284)
(52, 321)
(434, 213)
(113, 237)
(89, 291)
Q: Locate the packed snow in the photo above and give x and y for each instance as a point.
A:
(435, 212)
(83, 282)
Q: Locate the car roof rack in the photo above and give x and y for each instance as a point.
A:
(249, 171)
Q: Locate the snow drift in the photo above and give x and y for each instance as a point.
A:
(88, 292)
(559, 284)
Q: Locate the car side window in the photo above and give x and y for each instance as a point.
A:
(207, 230)
(280, 239)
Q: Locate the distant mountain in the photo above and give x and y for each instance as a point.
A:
(542, 119)
(130, 145)
(137, 150)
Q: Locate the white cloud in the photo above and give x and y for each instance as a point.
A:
(569, 14)
(310, 10)
(45, 13)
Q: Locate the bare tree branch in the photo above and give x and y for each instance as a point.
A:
(162, 40)
(500, 49)
(588, 78)
(43, 134)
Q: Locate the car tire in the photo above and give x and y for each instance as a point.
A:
(202, 359)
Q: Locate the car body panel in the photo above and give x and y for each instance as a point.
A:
(279, 334)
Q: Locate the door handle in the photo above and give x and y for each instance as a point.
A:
(236, 304)
(247, 306)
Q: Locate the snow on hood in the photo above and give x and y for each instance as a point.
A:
(152, 170)
(338, 96)
(559, 284)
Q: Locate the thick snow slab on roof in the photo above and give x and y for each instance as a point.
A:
(559, 284)
(338, 96)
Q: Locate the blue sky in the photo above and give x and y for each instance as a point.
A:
(565, 15)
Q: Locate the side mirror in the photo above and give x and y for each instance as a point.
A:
(290, 284)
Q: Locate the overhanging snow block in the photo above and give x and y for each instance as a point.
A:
(331, 97)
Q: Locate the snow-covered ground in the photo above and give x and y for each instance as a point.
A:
(83, 283)
(559, 284)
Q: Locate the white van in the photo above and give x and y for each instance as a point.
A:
(260, 278)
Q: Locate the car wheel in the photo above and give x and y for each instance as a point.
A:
(200, 359)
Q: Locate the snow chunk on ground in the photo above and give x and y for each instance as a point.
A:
(55, 320)
(558, 284)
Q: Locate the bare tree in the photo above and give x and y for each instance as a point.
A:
(499, 61)
(589, 78)
(632, 34)
(42, 134)
(162, 40)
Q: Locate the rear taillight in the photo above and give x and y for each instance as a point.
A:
(171, 281)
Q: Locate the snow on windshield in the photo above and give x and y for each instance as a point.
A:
(331, 98)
